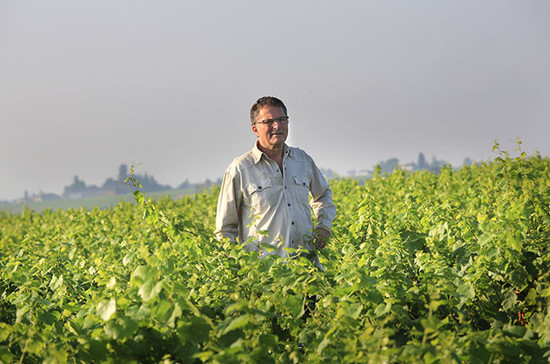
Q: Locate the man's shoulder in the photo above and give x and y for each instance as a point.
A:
(243, 161)
(299, 154)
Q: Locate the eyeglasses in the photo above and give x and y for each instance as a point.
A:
(283, 120)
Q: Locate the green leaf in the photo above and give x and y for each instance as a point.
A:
(295, 305)
(56, 282)
(466, 290)
(111, 284)
(121, 329)
(144, 273)
(433, 324)
(268, 247)
(5, 331)
(48, 318)
(114, 330)
(176, 313)
(106, 309)
(268, 341)
(35, 346)
(237, 323)
(149, 290)
(382, 309)
(509, 300)
(200, 329)
(162, 310)
(514, 243)
(5, 355)
(354, 310)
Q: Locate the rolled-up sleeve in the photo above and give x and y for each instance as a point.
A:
(228, 214)
(321, 203)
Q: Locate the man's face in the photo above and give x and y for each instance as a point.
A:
(274, 135)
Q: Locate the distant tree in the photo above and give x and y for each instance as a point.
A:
(389, 165)
(76, 186)
(421, 165)
(117, 187)
(149, 184)
(122, 172)
(467, 161)
(436, 165)
(185, 185)
(328, 173)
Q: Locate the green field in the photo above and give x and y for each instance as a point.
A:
(453, 267)
(88, 202)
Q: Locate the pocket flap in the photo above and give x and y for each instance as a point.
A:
(258, 186)
(303, 181)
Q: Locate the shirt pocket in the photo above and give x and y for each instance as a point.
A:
(260, 194)
(301, 188)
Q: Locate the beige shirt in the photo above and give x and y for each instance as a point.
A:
(259, 203)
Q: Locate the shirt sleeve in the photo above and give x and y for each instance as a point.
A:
(322, 205)
(228, 211)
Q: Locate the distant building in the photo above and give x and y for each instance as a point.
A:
(78, 189)
(75, 190)
(45, 197)
(409, 167)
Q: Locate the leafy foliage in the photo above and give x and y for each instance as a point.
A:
(449, 267)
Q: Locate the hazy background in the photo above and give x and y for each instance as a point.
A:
(87, 86)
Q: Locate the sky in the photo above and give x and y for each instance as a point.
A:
(167, 85)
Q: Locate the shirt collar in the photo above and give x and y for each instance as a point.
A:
(257, 153)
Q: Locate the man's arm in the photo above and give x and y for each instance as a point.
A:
(323, 207)
(228, 213)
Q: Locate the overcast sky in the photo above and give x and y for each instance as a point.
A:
(87, 86)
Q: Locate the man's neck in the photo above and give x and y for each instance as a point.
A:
(275, 153)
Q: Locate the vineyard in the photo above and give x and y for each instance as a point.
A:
(453, 267)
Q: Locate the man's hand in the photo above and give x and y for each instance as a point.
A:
(321, 237)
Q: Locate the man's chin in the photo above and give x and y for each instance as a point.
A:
(276, 139)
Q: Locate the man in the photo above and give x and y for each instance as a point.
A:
(267, 189)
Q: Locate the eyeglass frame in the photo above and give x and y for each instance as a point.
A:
(283, 120)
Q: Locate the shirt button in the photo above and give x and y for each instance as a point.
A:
(288, 204)
(293, 223)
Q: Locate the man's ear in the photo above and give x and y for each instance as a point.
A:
(255, 130)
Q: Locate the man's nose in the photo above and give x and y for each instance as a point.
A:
(276, 123)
